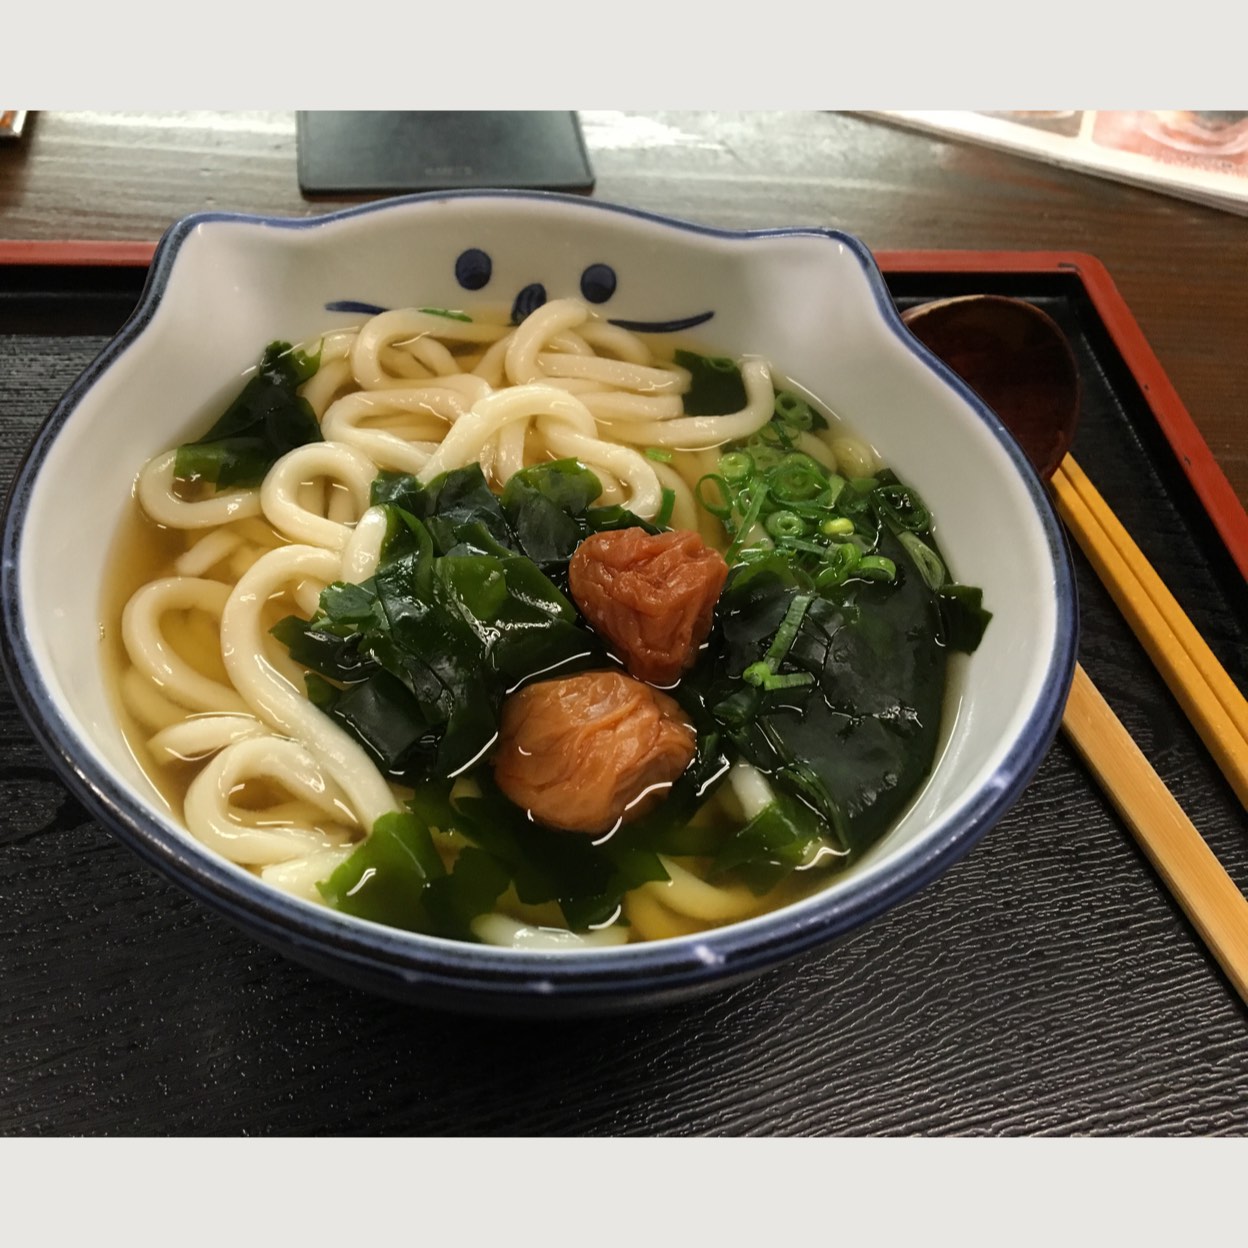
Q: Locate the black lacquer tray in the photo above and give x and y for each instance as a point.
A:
(1046, 984)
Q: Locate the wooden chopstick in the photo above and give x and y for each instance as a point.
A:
(1208, 696)
(1195, 877)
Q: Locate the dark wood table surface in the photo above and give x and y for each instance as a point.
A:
(1045, 985)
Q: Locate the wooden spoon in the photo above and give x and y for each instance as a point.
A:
(1018, 360)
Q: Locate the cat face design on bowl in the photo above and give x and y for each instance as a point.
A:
(474, 271)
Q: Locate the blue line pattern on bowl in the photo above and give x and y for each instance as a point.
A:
(638, 327)
(355, 305)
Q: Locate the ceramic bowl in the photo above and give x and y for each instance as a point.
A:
(810, 300)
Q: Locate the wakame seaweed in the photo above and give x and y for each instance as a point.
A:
(460, 612)
(267, 419)
(825, 672)
(426, 649)
(827, 666)
(715, 387)
(853, 742)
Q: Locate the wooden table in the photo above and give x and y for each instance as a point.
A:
(982, 1005)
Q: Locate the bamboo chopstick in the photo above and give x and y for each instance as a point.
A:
(1208, 696)
(1195, 877)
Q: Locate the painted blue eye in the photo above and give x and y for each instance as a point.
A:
(598, 283)
(473, 269)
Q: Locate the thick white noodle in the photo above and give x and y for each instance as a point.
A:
(147, 704)
(750, 789)
(343, 420)
(615, 406)
(637, 377)
(509, 450)
(818, 450)
(491, 414)
(401, 365)
(696, 432)
(156, 497)
(687, 894)
(433, 355)
(490, 367)
(403, 325)
(209, 801)
(320, 388)
(535, 332)
(854, 457)
(632, 468)
(274, 698)
(279, 495)
(570, 342)
(580, 386)
(498, 929)
(363, 551)
(335, 345)
(622, 343)
(156, 659)
(686, 513)
(613, 490)
(200, 736)
(307, 595)
(300, 876)
(207, 552)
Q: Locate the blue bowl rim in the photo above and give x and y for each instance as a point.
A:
(412, 964)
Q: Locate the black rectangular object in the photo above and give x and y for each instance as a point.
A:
(361, 153)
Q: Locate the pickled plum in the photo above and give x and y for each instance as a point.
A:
(651, 595)
(585, 753)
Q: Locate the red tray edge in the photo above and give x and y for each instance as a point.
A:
(78, 251)
(1186, 441)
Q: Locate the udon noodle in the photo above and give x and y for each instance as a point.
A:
(216, 708)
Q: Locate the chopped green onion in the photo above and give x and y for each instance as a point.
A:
(786, 634)
(790, 680)
(785, 524)
(901, 508)
(809, 548)
(876, 568)
(763, 673)
(665, 508)
(796, 478)
(721, 511)
(838, 526)
(810, 509)
(765, 448)
(747, 524)
(929, 563)
(844, 558)
(658, 454)
(736, 466)
(757, 673)
(448, 313)
(794, 411)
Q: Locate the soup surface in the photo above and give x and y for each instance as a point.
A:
(546, 635)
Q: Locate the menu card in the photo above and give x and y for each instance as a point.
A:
(1200, 156)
